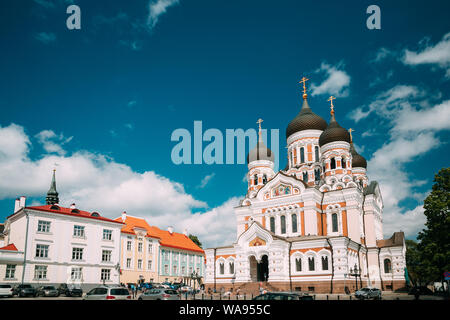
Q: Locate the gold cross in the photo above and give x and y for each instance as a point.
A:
(259, 123)
(331, 98)
(350, 131)
(304, 84)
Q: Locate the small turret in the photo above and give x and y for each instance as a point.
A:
(52, 194)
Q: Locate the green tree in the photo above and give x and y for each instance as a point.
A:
(416, 270)
(195, 240)
(434, 246)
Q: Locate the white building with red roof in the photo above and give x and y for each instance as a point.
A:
(51, 244)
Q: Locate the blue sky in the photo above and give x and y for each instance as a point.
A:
(103, 101)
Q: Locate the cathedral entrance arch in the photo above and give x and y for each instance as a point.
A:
(259, 271)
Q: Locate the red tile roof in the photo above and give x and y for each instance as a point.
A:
(9, 247)
(71, 212)
(166, 239)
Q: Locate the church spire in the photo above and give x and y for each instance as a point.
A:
(52, 194)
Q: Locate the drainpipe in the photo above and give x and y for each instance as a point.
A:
(332, 265)
(26, 243)
(215, 269)
(379, 267)
(365, 240)
(289, 255)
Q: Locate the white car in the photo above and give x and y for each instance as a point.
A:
(6, 290)
(108, 293)
(186, 289)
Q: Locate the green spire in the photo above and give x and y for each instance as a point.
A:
(52, 194)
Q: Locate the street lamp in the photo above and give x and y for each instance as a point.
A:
(232, 281)
(355, 272)
(194, 277)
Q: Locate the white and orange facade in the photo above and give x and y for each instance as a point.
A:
(308, 226)
(149, 254)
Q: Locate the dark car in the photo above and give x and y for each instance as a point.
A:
(25, 290)
(284, 296)
(70, 290)
(368, 293)
(421, 291)
(48, 291)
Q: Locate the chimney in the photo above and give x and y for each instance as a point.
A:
(17, 205)
(185, 232)
(72, 206)
(170, 229)
(22, 201)
(124, 216)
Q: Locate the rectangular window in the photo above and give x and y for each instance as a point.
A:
(150, 248)
(78, 231)
(149, 266)
(76, 274)
(174, 270)
(140, 246)
(190, 270)
(40, 272)
(107, 234)
(77, 253)
(106, 255)
(183, 270)
(43, 226)
(129, 245)
(166, 269)
(41, 251)
(139, 264)
(128, 263)
(231, 271)
(105, 275)
(10, 271)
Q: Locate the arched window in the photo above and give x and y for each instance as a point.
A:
(294, 223)
(311, 263)
(264, 179)
(305, 176)
(272, 224)
(255, 179)
(298, 264)
(232, 267)
(333, 164)
(316, 151)
(361, 183)
(302, 155)
(334, 222)
(317, 174)
(221, 268)
(283, 224)
(344, 163)
(324, 263)
(387, 266)
(295, 156)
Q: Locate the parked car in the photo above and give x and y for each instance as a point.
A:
(284, 296)
(160, 294)
(47, 291)
(108, 293)
(25, 290)
(185, 289)
(6, 290)
(368, 293)
(70, 290)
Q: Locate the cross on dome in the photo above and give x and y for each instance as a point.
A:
(303, 81)
(350, 131)
(331, 98)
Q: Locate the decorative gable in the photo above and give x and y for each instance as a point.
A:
(257, 241)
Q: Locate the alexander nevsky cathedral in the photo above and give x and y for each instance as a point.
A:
(315, 226)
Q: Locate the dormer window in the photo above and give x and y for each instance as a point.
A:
(55, 207)
(75, 211)
(95, 214)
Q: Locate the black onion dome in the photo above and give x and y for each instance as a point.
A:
(334, 132)
(305, 120)
(260, 152)
(358, 161)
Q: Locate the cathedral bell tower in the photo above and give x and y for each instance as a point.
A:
(52, 194)
(260, 165)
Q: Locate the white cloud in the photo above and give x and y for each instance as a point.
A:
(382, 54)
(96, 182)
(156, 9)
(206, 180)
(51, 142)
(412, 128)
(45, 37)
(336, 83)
(438, 54)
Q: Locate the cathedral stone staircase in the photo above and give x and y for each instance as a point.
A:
(253, 287)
